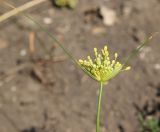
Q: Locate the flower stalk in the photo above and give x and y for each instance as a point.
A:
(100, 92)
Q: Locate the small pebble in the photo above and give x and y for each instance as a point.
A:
(144, 53)
(13, 88)
(157, 66)
(47, 20)
(109, 16)
(23, 52)
(127, 11)
(98, 30)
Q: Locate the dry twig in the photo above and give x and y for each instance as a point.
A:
(31, 43)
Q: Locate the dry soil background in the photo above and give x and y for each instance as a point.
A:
(41, 95)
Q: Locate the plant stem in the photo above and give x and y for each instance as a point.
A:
(99, 107)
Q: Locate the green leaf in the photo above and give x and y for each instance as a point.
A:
(138, 49)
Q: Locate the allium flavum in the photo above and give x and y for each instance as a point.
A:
(102, 68)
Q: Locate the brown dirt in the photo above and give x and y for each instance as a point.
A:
(55, 96)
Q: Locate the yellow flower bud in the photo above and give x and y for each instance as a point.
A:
(102, 68)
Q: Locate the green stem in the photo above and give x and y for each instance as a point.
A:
(99, 107)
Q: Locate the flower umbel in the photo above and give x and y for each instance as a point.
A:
(102, 68)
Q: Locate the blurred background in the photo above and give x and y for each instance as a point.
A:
(41, 90)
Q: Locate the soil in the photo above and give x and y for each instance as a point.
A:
(40, 94)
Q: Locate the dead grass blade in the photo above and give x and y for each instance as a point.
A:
(20, 8)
